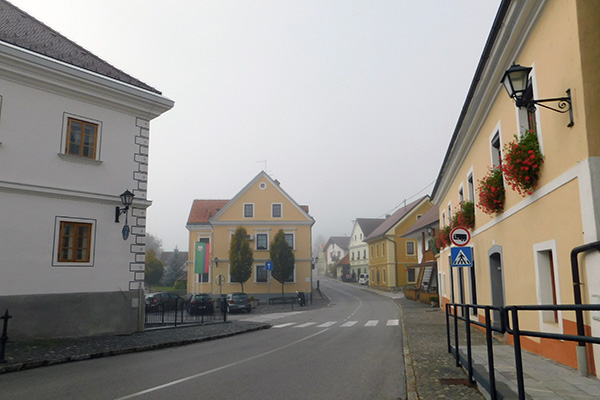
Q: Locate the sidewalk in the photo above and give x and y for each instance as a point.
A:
(431, 371)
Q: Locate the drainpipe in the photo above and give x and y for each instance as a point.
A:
(582, 364)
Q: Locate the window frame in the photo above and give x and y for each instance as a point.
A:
(273, 205)
(59, 222)
(256, 273)
(414, 248)
(245, 209)
(65, 139)
(266, 235)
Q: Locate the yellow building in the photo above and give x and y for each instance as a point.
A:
(521, 251)
(390, 253)
(262, 208)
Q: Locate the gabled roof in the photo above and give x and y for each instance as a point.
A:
(303, 209)
(368, 225)
(203, 210)
(394, 219)
(344, 261)
(431, 217)
(341, 241)
(22, 30)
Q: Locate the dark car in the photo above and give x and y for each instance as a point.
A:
(163, 301)
(200, 303)
(238, 302)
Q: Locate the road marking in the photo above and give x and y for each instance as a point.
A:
(271, 317)
(372, 322)
(327, 324)
(233, 364)
(304, 325)
(284, 325)
(349, 324)
(393, 322)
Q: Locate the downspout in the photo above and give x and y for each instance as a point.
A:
(582, 364)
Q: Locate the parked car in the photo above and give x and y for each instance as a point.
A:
(163, 301)
(363, 279)
(238, 302)
(200, 303)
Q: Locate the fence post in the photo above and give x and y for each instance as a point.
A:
(466, 314)
(448, 327)
(456, 335)
(490, 352)
(518, 358)
(4, 337)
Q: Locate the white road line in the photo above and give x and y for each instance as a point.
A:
(304, 325)
(393, 322)
(349, 324)
(327, 324)
(372, 322)
(189, 378)
(284, 325)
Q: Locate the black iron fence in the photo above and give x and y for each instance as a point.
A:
(181, 312)
(508, 323)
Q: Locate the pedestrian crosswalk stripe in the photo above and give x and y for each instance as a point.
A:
(284, 325)
(393, 322)
(304, 325)
(349, 324)
(327, 324)
(372, 323)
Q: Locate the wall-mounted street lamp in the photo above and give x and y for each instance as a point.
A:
(126, 200)
(518, 86)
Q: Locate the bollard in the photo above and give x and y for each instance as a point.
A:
(4, 337)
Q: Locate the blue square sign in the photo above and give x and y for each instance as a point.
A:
(269, 266)
(461, 256)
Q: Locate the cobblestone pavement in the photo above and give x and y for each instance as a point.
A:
(431, 371)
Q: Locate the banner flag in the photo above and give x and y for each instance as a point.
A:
(201, 256)
(207, 258)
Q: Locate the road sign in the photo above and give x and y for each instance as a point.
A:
(460, 236)
(461, 256)
(269, 266)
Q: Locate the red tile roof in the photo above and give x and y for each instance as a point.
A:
(203, 210)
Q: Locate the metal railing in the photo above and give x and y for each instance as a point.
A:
(509, 323)
(179, 313)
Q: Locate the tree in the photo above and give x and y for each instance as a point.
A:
(175, 268)
(283, 259)
(154, 269)
(240, 257)
(154, 243)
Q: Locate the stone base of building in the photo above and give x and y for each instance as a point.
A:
(71, 315)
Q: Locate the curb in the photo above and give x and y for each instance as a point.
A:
(409, 369)
(137, 349)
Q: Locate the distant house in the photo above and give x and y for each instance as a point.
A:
(358, 248)
(424, 231)
(390, 253)
(262, 207)
(336, 248)
(74, 133)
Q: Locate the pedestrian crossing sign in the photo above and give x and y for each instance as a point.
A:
(461, 256)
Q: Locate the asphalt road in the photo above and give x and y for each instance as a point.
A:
(349, 350)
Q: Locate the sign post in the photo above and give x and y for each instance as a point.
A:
(268, 268)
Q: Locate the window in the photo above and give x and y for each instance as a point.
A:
(471, 188)
(364, 253)
(443, 218)
(383, 275)
(495, 148)
(261, 274)
(248, 210)
(461, 196)
(74, 242)
(411, 275)
(262, 241)
(548, 284)
(81, 138)
(289, 239)
(276, 210)
(291, 277)
(383, 249)
(410, 248)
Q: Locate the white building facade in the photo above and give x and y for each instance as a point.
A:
(71, 141)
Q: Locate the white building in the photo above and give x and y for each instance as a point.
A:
(358, 249)
(73, 137)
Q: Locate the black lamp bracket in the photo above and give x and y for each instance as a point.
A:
(119, 211)
(563, 105)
